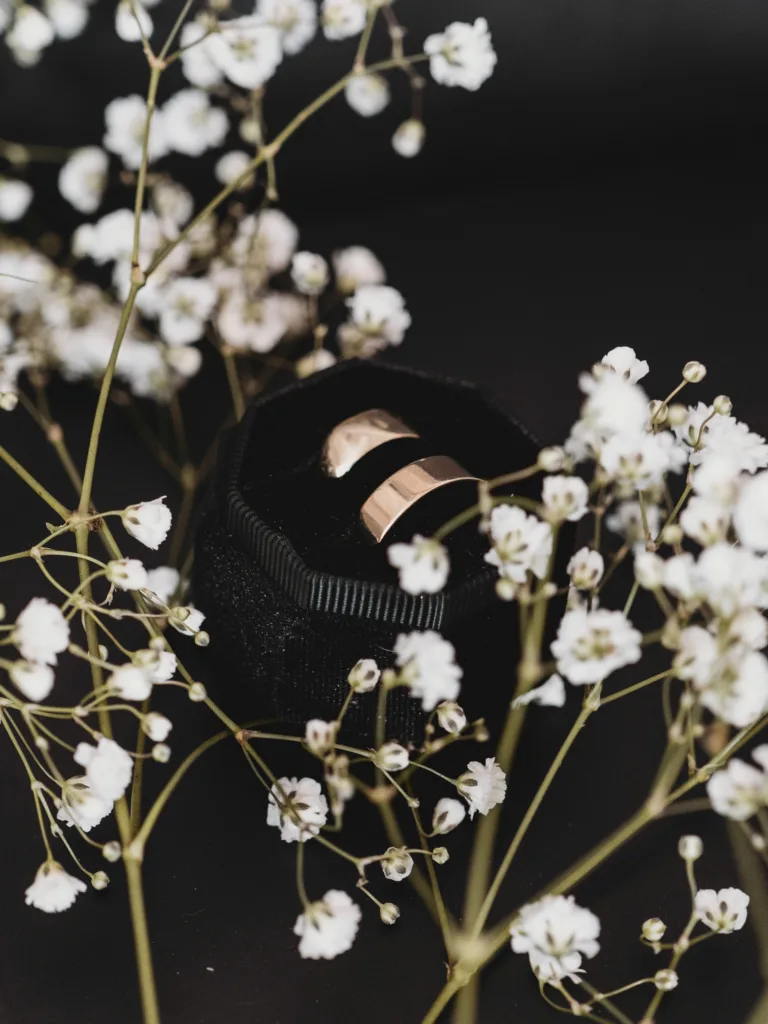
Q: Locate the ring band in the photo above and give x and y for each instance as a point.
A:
(354, 437)
(404, 488)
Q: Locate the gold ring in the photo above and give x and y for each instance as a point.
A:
(354, 437)
(404, 488)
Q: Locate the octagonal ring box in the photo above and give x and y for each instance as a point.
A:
(294, 589)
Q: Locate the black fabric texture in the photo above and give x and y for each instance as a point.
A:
(288, 627)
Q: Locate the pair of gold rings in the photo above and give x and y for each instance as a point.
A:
(358, 435)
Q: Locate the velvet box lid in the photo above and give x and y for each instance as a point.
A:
(293, 591)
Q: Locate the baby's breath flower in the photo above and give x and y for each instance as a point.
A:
(451, 717)
(197, 692)
(483, 786)
(397, 864)
(738, 791)
(428, 667)
(462, 55)
(364, 675)
(549, 694)
(343, 18)
(653, 929)
(310, 272)
(592, 644)
(156, 726)
(447, 815)
(108, 767)
(622, 360)
(53, 890)
(127, 574)
(367, 94)
(555, 933)
(723, 912)
(690, 848)
(246, 50)
(130, 682)
(298, 808)
(423, 565)
(81, 806)
(694, 372)
(149, 522)
(33, 679)
(666, 979)
(586, 569)
(356, 266)
(100, 880)
(521, 543)
(392, 757)
(320, 736)
(41, 632)
(83, 177)
(328, 927)
(408, 139)
(564, 497)
(389, 913)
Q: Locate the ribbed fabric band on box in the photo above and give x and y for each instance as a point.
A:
(293, 591)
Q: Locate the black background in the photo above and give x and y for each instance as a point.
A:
(605, 187)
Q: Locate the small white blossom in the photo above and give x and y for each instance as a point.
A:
(309, 272)
(192, 125)
(125, 120)
(232, 166)
(750, 518)
(649, 570)
(737, 691)
(343, 18)
(628, 522)
(156, 726)
(666, 979)
(81, 806)
(295, 19)
(163, 582)
(653, 929)
(275, 241)
(130, 682)
(724, 911)
(592, 644)
(83, 178)
(32, 679)
(392, 757)
(564, 497)
(68, 17)
(367, 94)
(247, 51)
(423, 565)
(637, 460)
(748, 627)
(550, 694)
(555, 932)
(397, 864)
(521, 543)
(298, 808)
(462, 55)
(186, 619)
(356, 266)
(188, 303)
(447, 815)
(716, 478)
(451, 717)
(149, 522)
(586, 569)
(328, 927)
(30, 33)
(428, 667)
(132, 20)
(622, 360)
(197, 62)
(408, 139)
(694, 371)
(126, 574)
(53, 890)
(378, 318)
(730, 578)
(158, 665)
(15, 197)
(257, 324)
(614, 405)
(313, 362)
(107, 766)
(705, 521)
(483, 786)
(738, 791)
(722, 436)
(320, 736)
(41, 632)
(364, 675)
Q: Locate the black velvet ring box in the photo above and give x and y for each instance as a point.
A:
(294, 590)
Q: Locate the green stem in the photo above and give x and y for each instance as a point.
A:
(36, 486)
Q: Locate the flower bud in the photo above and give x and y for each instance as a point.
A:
(551, 460)
(722, 405)
(364, 675)
(397, 863)
(451, 717)
(653, 929)
(665, 980)
(197, 692)
(694, 372)
(408, 138)
(320, 736)
(161, 753)
(111, 851)
(389, 912)
(506, 589)
(672, 534)
(156, 726)
(392, 757)
(8, 400)
(440, 855)
(447, 815)
(659, 411)
(690, 848)
(103, 652)
(202, 639)
(100, 880)
(678, 414)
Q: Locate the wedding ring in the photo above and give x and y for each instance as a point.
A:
(354, 437)
(404, 488)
